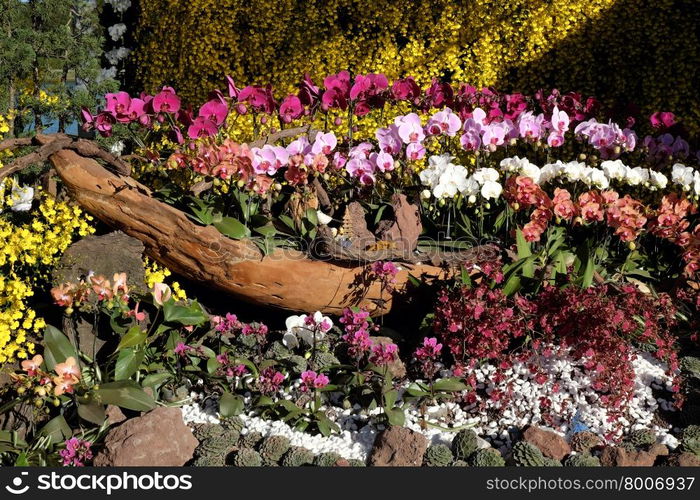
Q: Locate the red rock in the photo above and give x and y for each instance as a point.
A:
(687, 459)
(158, 438)
(114, 415)
(551, 444)
(342, 463)
(621, 457)
(398, 447)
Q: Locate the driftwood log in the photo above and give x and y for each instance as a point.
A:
(286, 279)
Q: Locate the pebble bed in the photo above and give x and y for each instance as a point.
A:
(358, 430)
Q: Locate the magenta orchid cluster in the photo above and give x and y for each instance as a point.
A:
(270, 381)
(427, 356)
(312, 381)
(77, 452)
(357, 325)
(229, 368)
(230, 324)
(383, 354)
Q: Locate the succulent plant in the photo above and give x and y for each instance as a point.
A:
(582, 460)
(250, 440)
(551, 462)
(464, 444)
(585, 441)
(487, 457)
(210, 461)
(356, 462)
(459, 463)
(322, 360)
(527, 455)
(297, 456)
(247, 457)
(437, 455)
(690, 439)
(641, 438)
(233, 424)
(299, 363)
(273, 447)
(215, 439)
(691, 366)
(627, 446)
(327, 459)
(277, 351)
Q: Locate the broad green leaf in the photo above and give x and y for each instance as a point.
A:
(128, 362)
(396, 416)
(185, 315)
(127, 394)
(133, 337)
(523, 245)
(230, 405)
(57, 347)
(312, 216)
(57, 429)
(233, 228)
(451, 384)
(92, 412)
(390, 398)
(155, 379)
(587, 279)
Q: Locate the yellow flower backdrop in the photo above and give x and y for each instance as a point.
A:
(615, 49)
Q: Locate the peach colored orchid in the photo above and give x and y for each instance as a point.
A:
(31, 366)
(161, 293)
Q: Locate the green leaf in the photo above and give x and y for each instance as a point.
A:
(414, 281)
(312, 216)
(57, 347)
(92, 412)
(522, 244)
(233, 228)
(57, 429)
(451, 384)
(267, 231)
(155, 379)
(127, 394)
(128, 362)
(133, 337)
(466, 278)
(185, 315)
(396, 416)
(390, 398)
(230, 405)
(587, 279)
(417, 390)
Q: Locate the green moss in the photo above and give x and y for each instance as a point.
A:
(641, 438)
(273, 447)
(583, 442)
(327, 459)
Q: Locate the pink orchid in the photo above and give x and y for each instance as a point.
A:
(324, 143)
(530, 126)
(337, 91)
(559, 121)
(269, 159)
(260, 98)
(409, 128)
(161, 293)
(366, 86)
(388, 139)
(383, 161)
(361, 169)
(215, 110)
(134, 313)
(362, 150)
(103, 123)
(181, 349)
(383, 354)
(439, 94)
(471, 138)
(339, 160)
(309, 94)
(166, 101)
(299, 146)
(444, 122)
(662, 119)
(555, 139)
(495, 134)
(429, 350)
(415, 151)
(291, 108)
(405, 89)
(233, 91)
(202, 127)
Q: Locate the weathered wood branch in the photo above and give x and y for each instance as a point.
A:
(286, 279)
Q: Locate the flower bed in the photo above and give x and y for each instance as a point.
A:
(557, 325)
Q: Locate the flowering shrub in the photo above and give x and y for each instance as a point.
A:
(521, 44)
(600, 325)
(28, 250)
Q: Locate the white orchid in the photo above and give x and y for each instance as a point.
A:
(614, 169)
(21, 197)
(636, 176)
(680, 174)
(491, 190)
(658, 179)
(306, 328)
